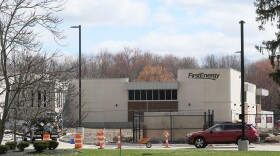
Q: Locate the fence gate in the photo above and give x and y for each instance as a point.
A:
(137, 124)
(207, 120)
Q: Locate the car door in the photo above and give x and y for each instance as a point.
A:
(215, 134)
(230, 133)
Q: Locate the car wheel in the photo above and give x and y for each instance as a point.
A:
(200, 142)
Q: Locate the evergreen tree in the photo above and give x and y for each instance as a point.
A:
(269, 11)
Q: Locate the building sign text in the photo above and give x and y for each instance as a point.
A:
(203, 76)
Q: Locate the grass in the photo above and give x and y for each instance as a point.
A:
(181, 152)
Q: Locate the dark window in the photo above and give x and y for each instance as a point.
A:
(162, 94)
(131, 95)
(228, 127)
(237, 127)
(155, 94)
(168, 94)
(39, 98)
(137, 94)
(45, 98)
(149, 95)
(174, 94)
(143, 95)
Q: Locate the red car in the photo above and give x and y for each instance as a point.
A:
(223, 133)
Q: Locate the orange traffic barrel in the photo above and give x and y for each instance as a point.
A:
(100, 139)
(46, 136)
(78, 141)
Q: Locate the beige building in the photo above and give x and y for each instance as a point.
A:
(110, 103)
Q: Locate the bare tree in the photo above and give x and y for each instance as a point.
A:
(258, 74)
(210, 61)
(18, 23)
(154, 74)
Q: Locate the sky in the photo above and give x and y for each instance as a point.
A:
(194, 28)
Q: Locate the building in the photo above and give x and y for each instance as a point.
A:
(41, 101)
(111, 102)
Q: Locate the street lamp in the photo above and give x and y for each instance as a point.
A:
(80, 94)
(243, 143)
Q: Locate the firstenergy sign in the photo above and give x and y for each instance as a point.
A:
(203, 76)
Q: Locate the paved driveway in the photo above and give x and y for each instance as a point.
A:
(252, 147)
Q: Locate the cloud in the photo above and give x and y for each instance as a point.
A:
(182, 27)
(107, 12)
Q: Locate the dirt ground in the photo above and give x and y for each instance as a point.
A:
(91, 135)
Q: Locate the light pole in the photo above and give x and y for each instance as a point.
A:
(80, 90)
(243, 143)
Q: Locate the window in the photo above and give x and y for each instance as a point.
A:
(155, 94)
(152, 95)
(174, 94)
(137, 94)
(143, 95)
(228, 127)
(162, 94)
(237, 127)
(45, 98)
(217, 128)
(168, 94)
(131, 95)
(149, 95)
(39, 99)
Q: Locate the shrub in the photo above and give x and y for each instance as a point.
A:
(53, 144)
(40, 145)
(127, 139)
(12, 145)
(4, 149)
(22, 145)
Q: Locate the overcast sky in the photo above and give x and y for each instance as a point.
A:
(179, 27)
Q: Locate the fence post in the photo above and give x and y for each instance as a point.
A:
(139, 126)
(133, 126)
(212, 118)
(171, 127)
(209, 118)
(265, 120)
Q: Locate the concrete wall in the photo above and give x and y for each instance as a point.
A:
(104, 101)
(213, 92)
